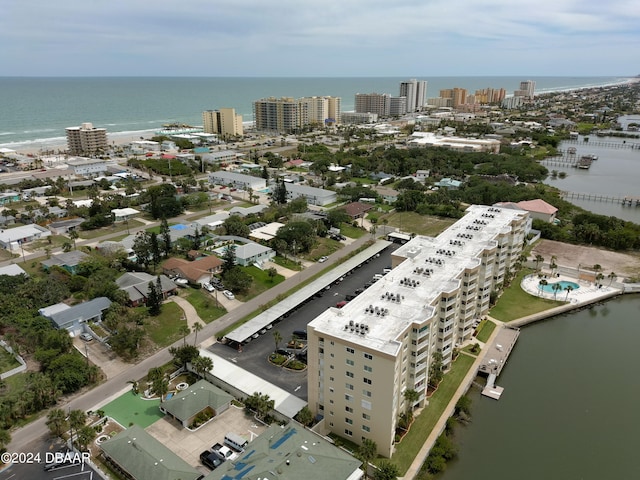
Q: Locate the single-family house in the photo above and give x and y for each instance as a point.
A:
(13, 270)
(72, 318)
(211, 221)
(449, 183)
(389, 195)
(246, 211)
(63, 227)
(6, 220)
(294, 452)
(67, 260)
(199, 397)
(9, 197)
(253, 253)
(196, 271)
(12, 238)
(135, 454)
(237, 180)
(265, 232)
(136, 285)
(123, 214)
(357, 209)
(539, 209)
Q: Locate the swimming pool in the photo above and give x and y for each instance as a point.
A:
(563, 284)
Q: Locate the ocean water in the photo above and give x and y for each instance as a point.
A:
(35, 111)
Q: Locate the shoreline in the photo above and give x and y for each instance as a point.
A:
(38, 145)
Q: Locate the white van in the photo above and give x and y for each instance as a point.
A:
(235, 441)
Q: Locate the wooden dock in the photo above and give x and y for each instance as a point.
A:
(626, 200)
(495, 358)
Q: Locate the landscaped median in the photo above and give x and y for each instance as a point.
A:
(407, 450)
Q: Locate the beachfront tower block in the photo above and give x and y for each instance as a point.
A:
(86, 139)
(224, 122)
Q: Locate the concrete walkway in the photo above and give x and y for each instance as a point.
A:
(439, 427)
(190, 313)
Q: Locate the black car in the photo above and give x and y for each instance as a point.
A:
(210, 459)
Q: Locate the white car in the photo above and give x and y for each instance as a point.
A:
(323, 259)
(229, 295)
(208, 287)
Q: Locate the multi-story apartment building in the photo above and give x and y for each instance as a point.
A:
(379, 103)
(397, 106)
(86, 139)
(224, 122)
(284, 115)
(416, 93)
(323, 111)
(365, 356)
(489, 95)
(457, 95)
(527, 89)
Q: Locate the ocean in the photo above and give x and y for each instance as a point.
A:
(35, 111)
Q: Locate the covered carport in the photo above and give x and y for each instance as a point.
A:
(268, 317)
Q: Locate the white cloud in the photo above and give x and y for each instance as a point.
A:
(297, 38)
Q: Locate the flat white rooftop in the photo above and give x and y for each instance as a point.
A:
(407, 294)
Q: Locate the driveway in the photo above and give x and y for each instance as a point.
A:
(102, 356)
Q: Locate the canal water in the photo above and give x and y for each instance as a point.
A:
(570, 405)
(615, 173)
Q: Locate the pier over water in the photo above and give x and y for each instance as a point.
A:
(495, 358)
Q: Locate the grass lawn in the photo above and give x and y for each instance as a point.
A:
(205, 304)
(163, 329)
(6, 255)
(7, 361)
(419, 224)
(129, 409)
(286, 263)
(486, 329)
(261, 282)
(51, 241)
(516, 303)
(351, 231)
(469, 350)
(113, 228)
(411, 444)
(324, 246)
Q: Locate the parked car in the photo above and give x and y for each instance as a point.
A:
(323, 259)
(86, 337)
(208, 287)
(341, 304)
(229, 294)
(210, 459)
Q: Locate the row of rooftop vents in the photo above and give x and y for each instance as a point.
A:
(435, 261)
(391, 297)
(378, 311)
(468, 236)
(360, 328)
(448, 253)
(423, 271)
(409, 282)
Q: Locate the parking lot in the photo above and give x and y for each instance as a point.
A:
(254, 355)
(188, 445)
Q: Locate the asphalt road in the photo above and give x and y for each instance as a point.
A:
(254, 355)
(24, 436)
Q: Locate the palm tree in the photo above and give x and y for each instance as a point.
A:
(541, 285)
(77, 419)
(553, 265)
(612, 276)
(184, 330)
(277, 337)
(568, 289)
(160, 387)
(73, 235)
(85, 436)
(196, 328)
(599, 278)
(57, 421)
(202, 365)
(556, 288)
(5, 439)
(366, 453)
(410, 397)
(539, 260)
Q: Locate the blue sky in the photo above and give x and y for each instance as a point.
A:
(328, 38)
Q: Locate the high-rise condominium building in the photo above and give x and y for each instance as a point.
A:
(397, 106)
(457, 95)
(365, 356)
(323, 110)
(86, 139)
(379, 103)
(527, 89)
(284, 115)
(224, 122)
(416, 93)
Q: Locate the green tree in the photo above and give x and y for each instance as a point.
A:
(5, 439)
(237, 280)
(160, 387)
(184, 330)
(165, 234)
(541, 284)
(259, 403)
(228, 259)
(435, 369)
(410, 397)
(57, 422)
(197, 326)
(85, 436)
(183, 355)
(234, 225)
(272, 273)
(277, 338)
(612, 276)
(556, 288)
(202, 365)
(154, 305)
(568, 289)
(279, 194)
(539, 259)
(386, 471)
(305, 416)
(77, 420)
(73, 235)
(367, 452)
